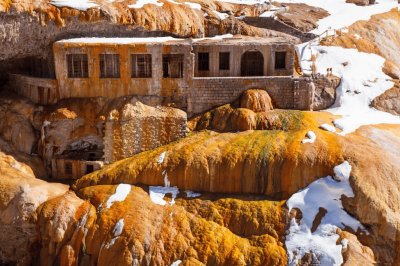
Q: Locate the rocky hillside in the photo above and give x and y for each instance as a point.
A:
(248, 184)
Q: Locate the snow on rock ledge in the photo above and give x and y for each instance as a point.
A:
(324, 193)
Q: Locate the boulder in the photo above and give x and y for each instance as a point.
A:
(361, 2)
(256, 100)
(389, 101)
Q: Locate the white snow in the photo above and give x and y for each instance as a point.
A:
(158, 193)
(328, 127)
(116, 40)
(82, 5)
(311, 137)
(176, 263)
(141, 3)
(161, 157)
(220, 15)
(344, 14)
(323, 193)
(345, 243)
(193, 5)
(242, 2)
(191, 194)
(120, 194)
(119, 226)
(362, 81)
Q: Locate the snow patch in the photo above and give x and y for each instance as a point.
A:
(157, 194)
(362, 81)
(141, 3)
(161, 157)
(344, 14)
(120, 194)
(328, 127)
(176, 263)
(82, 5)
(117, 40)
(192, 194)
(220, 15)
(193, 5)
(119, 226)
(323, 193)
(311, 137)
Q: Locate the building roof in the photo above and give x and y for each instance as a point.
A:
(227, 39)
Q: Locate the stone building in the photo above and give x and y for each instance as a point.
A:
(193, 74)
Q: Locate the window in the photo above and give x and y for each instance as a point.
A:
(68, 168)
(252, 64)
(224, 61)
(280, 60)
(203, 61)
(172, 65)
(89, 169)
(77, 65)
(141, 65)
(109, 66)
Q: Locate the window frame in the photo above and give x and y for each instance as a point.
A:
(280, 65)
(136, 71)
(166, 61)
(115, 70)
(203, 61)
(68, 168)
(77, 65)
(223, 65)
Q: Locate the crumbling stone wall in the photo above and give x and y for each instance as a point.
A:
(286, 92)
(139, 127)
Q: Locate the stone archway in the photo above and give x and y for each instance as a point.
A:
(252, 64)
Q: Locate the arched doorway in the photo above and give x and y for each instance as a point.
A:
(252, 64)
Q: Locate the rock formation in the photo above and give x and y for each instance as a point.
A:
(389, 101)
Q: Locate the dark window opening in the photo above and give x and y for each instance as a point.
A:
(141, 65)
(68, 168)
(172, 65)
(77, 65)
(252, 64)
(203, 61)
(89, 169)
(280, 60)
(224, 61)
(109, 66)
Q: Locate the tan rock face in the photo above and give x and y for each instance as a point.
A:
(20, 196)
(256, 100)
(389, 101)
(15, 124)
(265, 162)
(135, 127)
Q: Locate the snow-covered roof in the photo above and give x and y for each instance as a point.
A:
(115, 40)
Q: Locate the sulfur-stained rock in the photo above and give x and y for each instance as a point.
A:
(20, 196)
(63, 224)
(268, 162)
(190, 230)
(256, 100)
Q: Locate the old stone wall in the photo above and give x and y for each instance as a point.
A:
(39, 90)
(78, 168)
(325, 91)
(286, 92)
(273, 24)
(139, 127)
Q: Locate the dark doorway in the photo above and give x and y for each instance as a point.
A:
(89, 169)
(252, 64)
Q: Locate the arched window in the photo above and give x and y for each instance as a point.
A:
(252, 64)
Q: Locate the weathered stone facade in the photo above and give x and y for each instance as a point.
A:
(286, 92)
(202, 79)
(137, 127)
